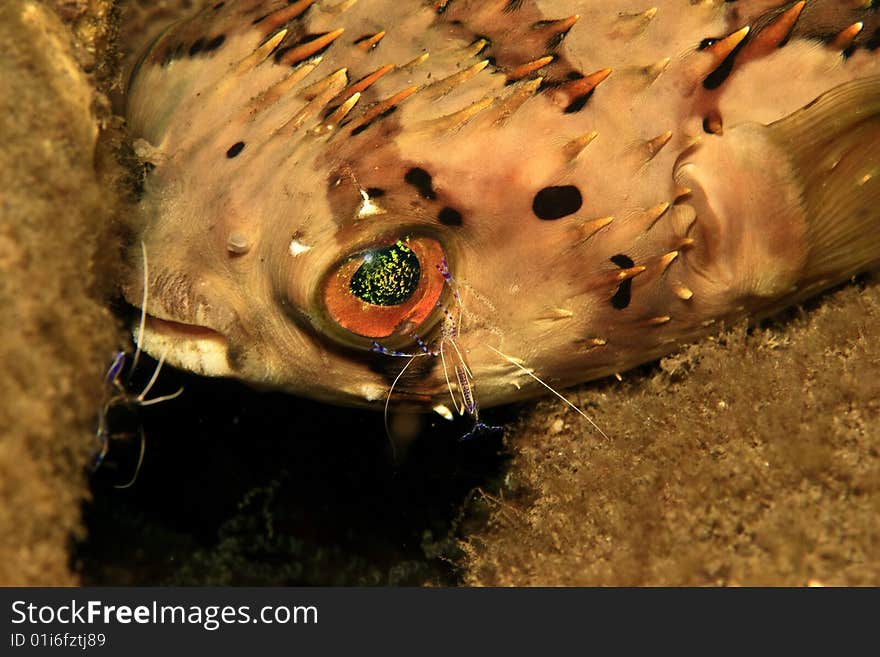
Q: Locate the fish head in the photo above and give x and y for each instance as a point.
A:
(328, 274)
(329, 250)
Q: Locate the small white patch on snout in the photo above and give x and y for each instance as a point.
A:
(372, 392)
(443, 411)
(298, 248)
(368, 208)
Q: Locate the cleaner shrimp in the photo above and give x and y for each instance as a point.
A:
(462, 385)
(118, 397)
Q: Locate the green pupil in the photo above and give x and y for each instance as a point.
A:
(388, 276)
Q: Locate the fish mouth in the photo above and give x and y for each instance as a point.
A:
(180, 329)
(180, 326)
(193, 347)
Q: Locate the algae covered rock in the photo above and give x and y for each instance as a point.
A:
(55, 337)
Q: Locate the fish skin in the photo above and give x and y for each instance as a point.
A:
(701, 197)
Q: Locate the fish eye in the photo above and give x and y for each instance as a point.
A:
(387, 290)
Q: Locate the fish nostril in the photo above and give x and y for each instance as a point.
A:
(237, 244)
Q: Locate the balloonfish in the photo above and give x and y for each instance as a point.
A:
(457, 202)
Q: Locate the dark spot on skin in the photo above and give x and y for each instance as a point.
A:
(235, 149)
(421, 180)
(375, 192)
(557, 202)
(623, 295)
(623, 261)
(196, 48)
(215, 43)
(218, 6)
(450, 217)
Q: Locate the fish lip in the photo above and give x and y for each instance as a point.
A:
(191, 347)
(181, 330)
(186, 332)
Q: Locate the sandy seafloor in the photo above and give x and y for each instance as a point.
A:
(752, 459)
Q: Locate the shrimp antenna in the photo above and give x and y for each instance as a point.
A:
(458, 407)
(143, 322)
(140, 462)
(388, 402)
(141, 399)
(562, 397)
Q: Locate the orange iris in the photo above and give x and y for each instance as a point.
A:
(387, 291)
